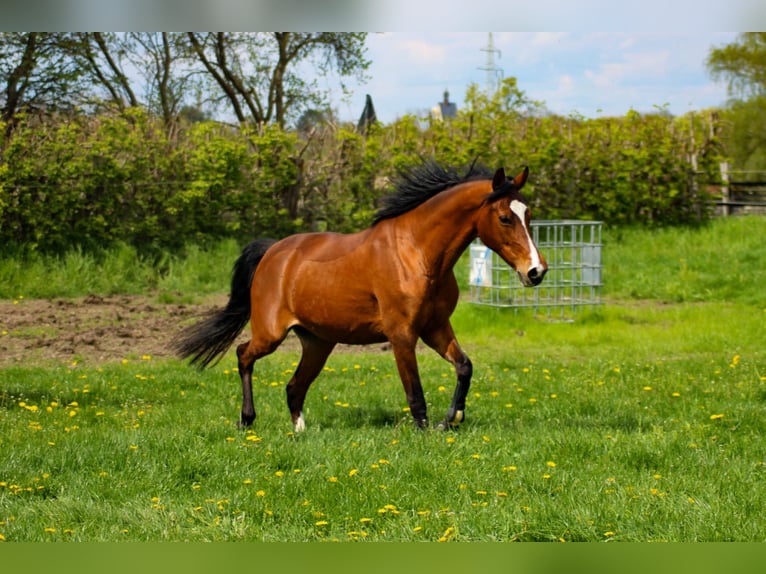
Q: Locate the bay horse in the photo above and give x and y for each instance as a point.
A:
(392, 281)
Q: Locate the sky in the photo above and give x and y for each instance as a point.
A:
(583, 73)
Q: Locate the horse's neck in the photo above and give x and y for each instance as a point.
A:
(444, 226)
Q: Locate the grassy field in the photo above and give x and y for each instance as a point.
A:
(640, 422)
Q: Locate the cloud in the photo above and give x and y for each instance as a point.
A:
(639, 66)
(566, 84)
(420, 52)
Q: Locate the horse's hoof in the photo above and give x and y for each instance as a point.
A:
(453, 423)
(245, 423)
(299, 424)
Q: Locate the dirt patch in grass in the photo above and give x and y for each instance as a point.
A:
(92, 329)
(100, 329)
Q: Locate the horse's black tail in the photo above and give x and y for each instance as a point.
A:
(209, 339)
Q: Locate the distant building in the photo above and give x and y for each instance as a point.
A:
(445, 108)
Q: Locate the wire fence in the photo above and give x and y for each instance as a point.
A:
(574, 280)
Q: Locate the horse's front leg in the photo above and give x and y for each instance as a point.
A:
(442, 340)
(407, 365)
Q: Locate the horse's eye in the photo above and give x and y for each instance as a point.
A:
(505, 220)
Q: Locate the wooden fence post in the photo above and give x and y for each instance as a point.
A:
(725, 188)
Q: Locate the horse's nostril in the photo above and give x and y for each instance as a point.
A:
(535, 275)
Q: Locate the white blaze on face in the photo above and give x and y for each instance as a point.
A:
(520, 210)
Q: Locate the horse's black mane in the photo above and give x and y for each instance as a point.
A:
(415, 185)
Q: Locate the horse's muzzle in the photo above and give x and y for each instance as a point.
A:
(534, 276)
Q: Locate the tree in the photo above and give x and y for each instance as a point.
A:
(101, 57)
(259, 74)
(162, 60)
(742, 63)
(35, 74)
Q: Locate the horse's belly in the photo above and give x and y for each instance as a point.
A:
(348, 333)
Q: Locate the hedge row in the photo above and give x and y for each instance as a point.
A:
(85, 180)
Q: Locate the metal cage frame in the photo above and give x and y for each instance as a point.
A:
(574, 280)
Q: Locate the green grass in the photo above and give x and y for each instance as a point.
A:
(722, 261)
(642, 421)
(585, 444)
(174, 277)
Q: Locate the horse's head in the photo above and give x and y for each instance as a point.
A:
(503, 226)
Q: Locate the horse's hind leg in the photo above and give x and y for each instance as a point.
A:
(247, 354)
(245, 367)
(313, 359)
(443, 341)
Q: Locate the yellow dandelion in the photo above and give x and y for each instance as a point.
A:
(279, 473)
(49, 530)
(550, 464)
(333, 479)
(353, 472)
(509, 468)
(365, 520)
(716, 417)
(261, 493)
(321, 523)
(247, 481)
(449, 533)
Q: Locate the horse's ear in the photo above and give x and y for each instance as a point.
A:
(499, 180)
(521, 179)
